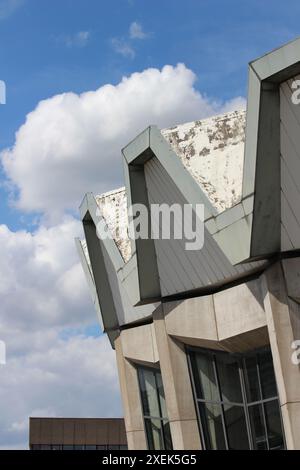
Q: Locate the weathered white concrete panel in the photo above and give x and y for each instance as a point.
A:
(212, 150)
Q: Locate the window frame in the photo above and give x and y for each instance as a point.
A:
(79, 447)
(147, 417)
(191, 351)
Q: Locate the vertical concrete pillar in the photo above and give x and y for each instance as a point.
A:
(177, 387)
(280, 311)
(134, 421)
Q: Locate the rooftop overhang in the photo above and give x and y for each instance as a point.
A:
(112, 282)
(238, 240)
(261, 178)
(150, 144)
(250, 230)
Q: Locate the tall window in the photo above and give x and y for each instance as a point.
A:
(154, 409)
(237, 400)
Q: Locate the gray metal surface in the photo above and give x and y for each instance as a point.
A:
(290, 167)
(265, 221)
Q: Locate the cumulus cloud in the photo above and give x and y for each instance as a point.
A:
(71, 378)
(136, 31)
(70, 143)
(41, 281)
(51, 368)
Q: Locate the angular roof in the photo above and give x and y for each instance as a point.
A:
(211, 150)
(251, 208)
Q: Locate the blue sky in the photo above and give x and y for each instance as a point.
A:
(214, 38)
(70, 144)
(40, 57)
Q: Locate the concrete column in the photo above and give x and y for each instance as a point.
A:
(177, 387)
(280, 311)
(134, 421)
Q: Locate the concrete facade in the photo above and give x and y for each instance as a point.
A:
(242, 318)
(239, 295)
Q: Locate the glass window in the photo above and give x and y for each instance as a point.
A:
(235, 422)
(205, 379)
(154, 434)
(167, 435)
(251, 379)
(267, 375)
(161, 395)
(154, 409)
(258, 428)
(149, 393)
(237, 400)
(273, 421)
(229, 377)
(211, 419)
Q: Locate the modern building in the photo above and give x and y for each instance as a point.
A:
(206, 339)
(77, 434)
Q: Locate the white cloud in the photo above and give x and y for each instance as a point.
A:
(51, 369)
(41, 281)
(136, 31)
(8, 7)
(70, 144)
(121, 46)
(75, 378)
(79, 39)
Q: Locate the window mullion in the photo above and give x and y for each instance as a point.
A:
(142, 385)
(190, 358)
(257, 431)
(244, 396)
(160, 411)
(262, 405)
(221, 404)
